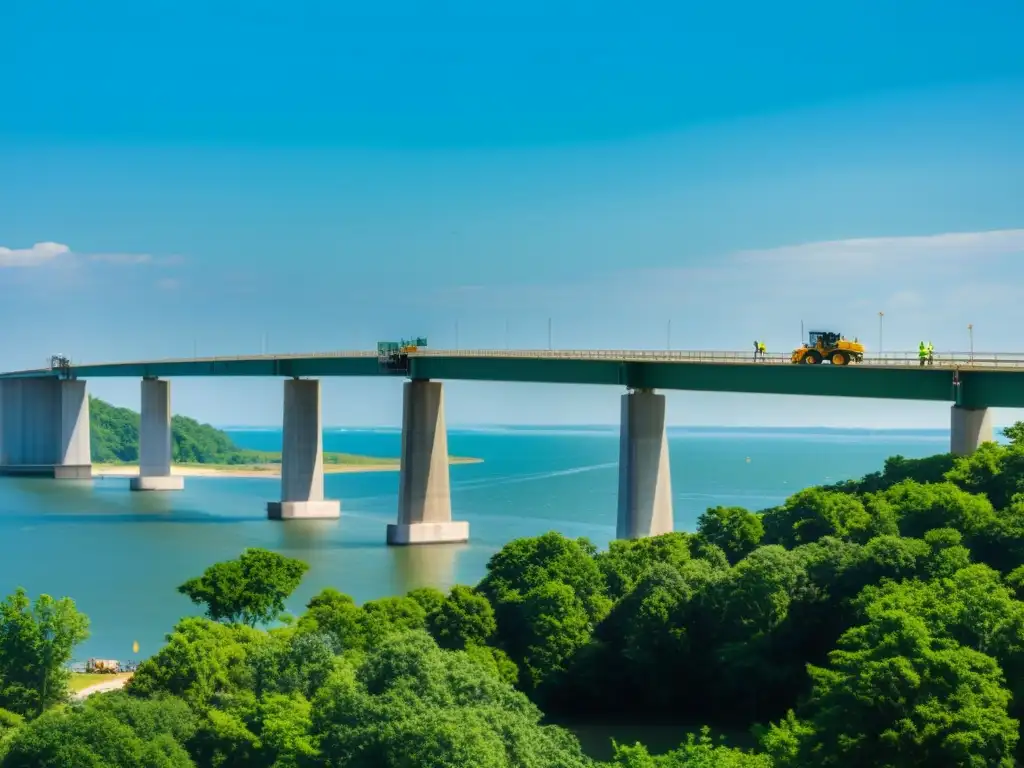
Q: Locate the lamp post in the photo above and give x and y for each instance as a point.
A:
(880, 316)
(970, 333)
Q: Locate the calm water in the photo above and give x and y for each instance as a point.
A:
(120, 555)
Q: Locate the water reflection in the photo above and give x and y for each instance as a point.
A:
(431, 565)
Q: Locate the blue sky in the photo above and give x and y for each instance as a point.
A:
(179, 178)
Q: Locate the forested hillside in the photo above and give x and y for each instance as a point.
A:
(115, 439)
(872, 623)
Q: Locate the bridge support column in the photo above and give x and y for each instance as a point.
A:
(44, 429)
(645, 482)
(155, 440)
(302, 457)
(424, 489)
(968, 429)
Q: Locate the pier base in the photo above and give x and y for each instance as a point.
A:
(304, 510)
(453, 532)
(157, 483)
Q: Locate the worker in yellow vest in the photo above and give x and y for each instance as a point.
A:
(762, 349)
(922, 353)
(931, 353)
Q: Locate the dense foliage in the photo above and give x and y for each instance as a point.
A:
(114, 434)
(875, 622)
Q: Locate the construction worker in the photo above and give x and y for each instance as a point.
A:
(931, 353)
(762, 349)
(757, 348)
(922, 353)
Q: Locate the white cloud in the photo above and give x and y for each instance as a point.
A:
(38, 254)
(884, 251)
(45, 253)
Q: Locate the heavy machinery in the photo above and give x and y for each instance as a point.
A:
(830, 346)
(393, 356)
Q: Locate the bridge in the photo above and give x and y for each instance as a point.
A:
(44, 421)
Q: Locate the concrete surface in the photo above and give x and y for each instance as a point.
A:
(400, 534)
(304, 510)
(155, 440)
(157, 483)
(44, 428)
(302, 456)
(968, 429)
(645, 480)
(424, 487)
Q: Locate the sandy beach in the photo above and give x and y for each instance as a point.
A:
(251, 470)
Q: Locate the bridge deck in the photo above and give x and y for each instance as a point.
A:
(978, 380)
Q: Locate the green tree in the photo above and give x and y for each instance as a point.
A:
(736, 530)
(250, 590)
(1015, 433)
(109, 731)
(464, 618)
(441, 709)
(696, 752)
(893, 694)
(627, 560)
(36, 643)
(201, 662)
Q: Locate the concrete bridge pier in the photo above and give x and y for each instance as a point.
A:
(968, 429)
(645, 482)
(424, 489)
(302, 457)
(155, 440)
(44, 428)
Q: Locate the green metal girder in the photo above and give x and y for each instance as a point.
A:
(977, 389)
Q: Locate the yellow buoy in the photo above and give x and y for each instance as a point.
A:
(135, 647)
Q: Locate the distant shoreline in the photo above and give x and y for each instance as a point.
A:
(255, 470)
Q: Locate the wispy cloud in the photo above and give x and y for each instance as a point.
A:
(37, 255)
(45, 253)
(868, 252)
(168, 284)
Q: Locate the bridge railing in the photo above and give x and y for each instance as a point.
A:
(942, 359)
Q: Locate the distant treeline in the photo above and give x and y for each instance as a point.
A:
(115, 439)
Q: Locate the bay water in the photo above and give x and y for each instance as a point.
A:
(120, 555)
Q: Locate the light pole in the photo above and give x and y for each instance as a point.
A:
(970, 333)
(880, 316)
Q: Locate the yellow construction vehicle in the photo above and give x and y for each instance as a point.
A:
(826, 345)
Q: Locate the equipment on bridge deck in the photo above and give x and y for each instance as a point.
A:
(393, 356)
(61, 363)
(827, 345)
